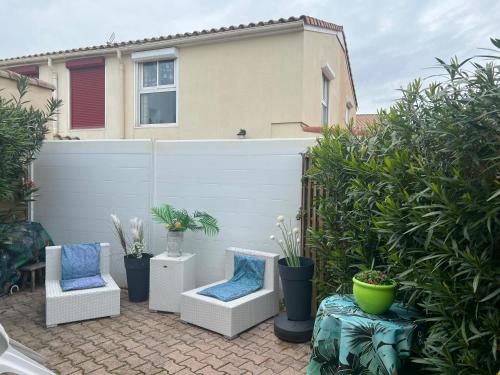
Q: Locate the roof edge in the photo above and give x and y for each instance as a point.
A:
(7, 74)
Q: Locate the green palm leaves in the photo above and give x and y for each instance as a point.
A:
(180, 220)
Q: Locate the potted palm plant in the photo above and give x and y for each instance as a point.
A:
(296, 273)
(178, 221)
(373, 291)
(135, 258)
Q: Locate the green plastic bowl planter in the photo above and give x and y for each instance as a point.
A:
(373, 299)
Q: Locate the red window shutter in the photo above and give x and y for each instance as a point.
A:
(87, 93)
(28, 70)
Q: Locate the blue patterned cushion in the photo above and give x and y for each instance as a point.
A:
(82, 283)
(81, 260)
(248, 277)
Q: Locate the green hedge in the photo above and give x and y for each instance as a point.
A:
(22, 131)
(418, 195)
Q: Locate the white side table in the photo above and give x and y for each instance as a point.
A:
(168, 278)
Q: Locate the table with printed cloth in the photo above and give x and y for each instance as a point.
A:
(347, 340)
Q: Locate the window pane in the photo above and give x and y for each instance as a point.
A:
(325, 89)
(166, 72)
(324, 115)
(149, 74)
(158, 108)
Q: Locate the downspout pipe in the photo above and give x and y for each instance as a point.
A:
(121, 95)
(55, 95)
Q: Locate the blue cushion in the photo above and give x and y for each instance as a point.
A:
(81, 260)
(248, 277)
(82, 283)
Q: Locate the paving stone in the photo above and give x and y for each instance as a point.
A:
(143, 342)
(172, 367)
(231, 369)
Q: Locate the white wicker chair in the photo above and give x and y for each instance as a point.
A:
(233, 317)
(15, 358)
(75, 305)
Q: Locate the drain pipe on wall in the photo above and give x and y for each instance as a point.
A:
(55, 95)
(121, 95)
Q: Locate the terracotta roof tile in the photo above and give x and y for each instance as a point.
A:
(364, 119)
(306, 19)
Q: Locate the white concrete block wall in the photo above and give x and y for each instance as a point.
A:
(83, 182)
(244, 184)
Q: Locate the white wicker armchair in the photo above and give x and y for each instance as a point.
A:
(75, 305)
(233, 317)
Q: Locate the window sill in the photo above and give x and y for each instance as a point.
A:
(85, 129)
(152, 126)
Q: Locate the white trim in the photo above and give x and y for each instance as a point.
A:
(138, 90)
(321, 30)
(325, 102)
(328, 71)
(155, 54)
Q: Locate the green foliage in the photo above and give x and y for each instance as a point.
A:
(22, 130)
(289, 241)
(180, 220)
(136, 245)
(374, 277)
(419, 195)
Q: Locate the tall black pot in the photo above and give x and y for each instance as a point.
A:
(297, 288)
(137, 277)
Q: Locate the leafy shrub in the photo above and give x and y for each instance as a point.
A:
(374, 277)
(22, 130)
(418, 195)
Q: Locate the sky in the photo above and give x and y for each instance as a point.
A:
(391, 42)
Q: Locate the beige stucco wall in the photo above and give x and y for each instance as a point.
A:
(37, 95)
(321, 49)
(269, 85)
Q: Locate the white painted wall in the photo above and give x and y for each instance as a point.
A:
(244, 184)
(83, 182)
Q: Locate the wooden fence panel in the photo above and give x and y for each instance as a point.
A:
(310, 219)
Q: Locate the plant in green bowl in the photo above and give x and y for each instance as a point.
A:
(373, 291)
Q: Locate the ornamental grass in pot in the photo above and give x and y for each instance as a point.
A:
(178, 221)
(373, 291)
(296, 272)
(135, 258)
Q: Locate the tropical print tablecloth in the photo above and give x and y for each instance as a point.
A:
(347, 340)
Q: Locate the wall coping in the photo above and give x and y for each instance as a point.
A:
(7, 74)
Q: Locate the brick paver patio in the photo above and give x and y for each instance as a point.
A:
(143, 342)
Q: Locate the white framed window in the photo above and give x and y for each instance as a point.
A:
(157, 87)
(348, 115)
(325, 99)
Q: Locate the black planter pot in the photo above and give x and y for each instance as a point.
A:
(137, 277)
(297, 288)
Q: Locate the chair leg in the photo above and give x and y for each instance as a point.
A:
(33, 280)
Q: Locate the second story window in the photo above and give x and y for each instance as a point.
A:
(348, 112)
(157, 92)
(157, 87)
(325, 99)
(87, 93)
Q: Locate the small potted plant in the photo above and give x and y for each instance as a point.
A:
(178, 221)
(296, 273)
(135, 258)
(373, 291)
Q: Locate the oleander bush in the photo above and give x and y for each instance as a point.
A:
(418, 196)
(22, 130)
